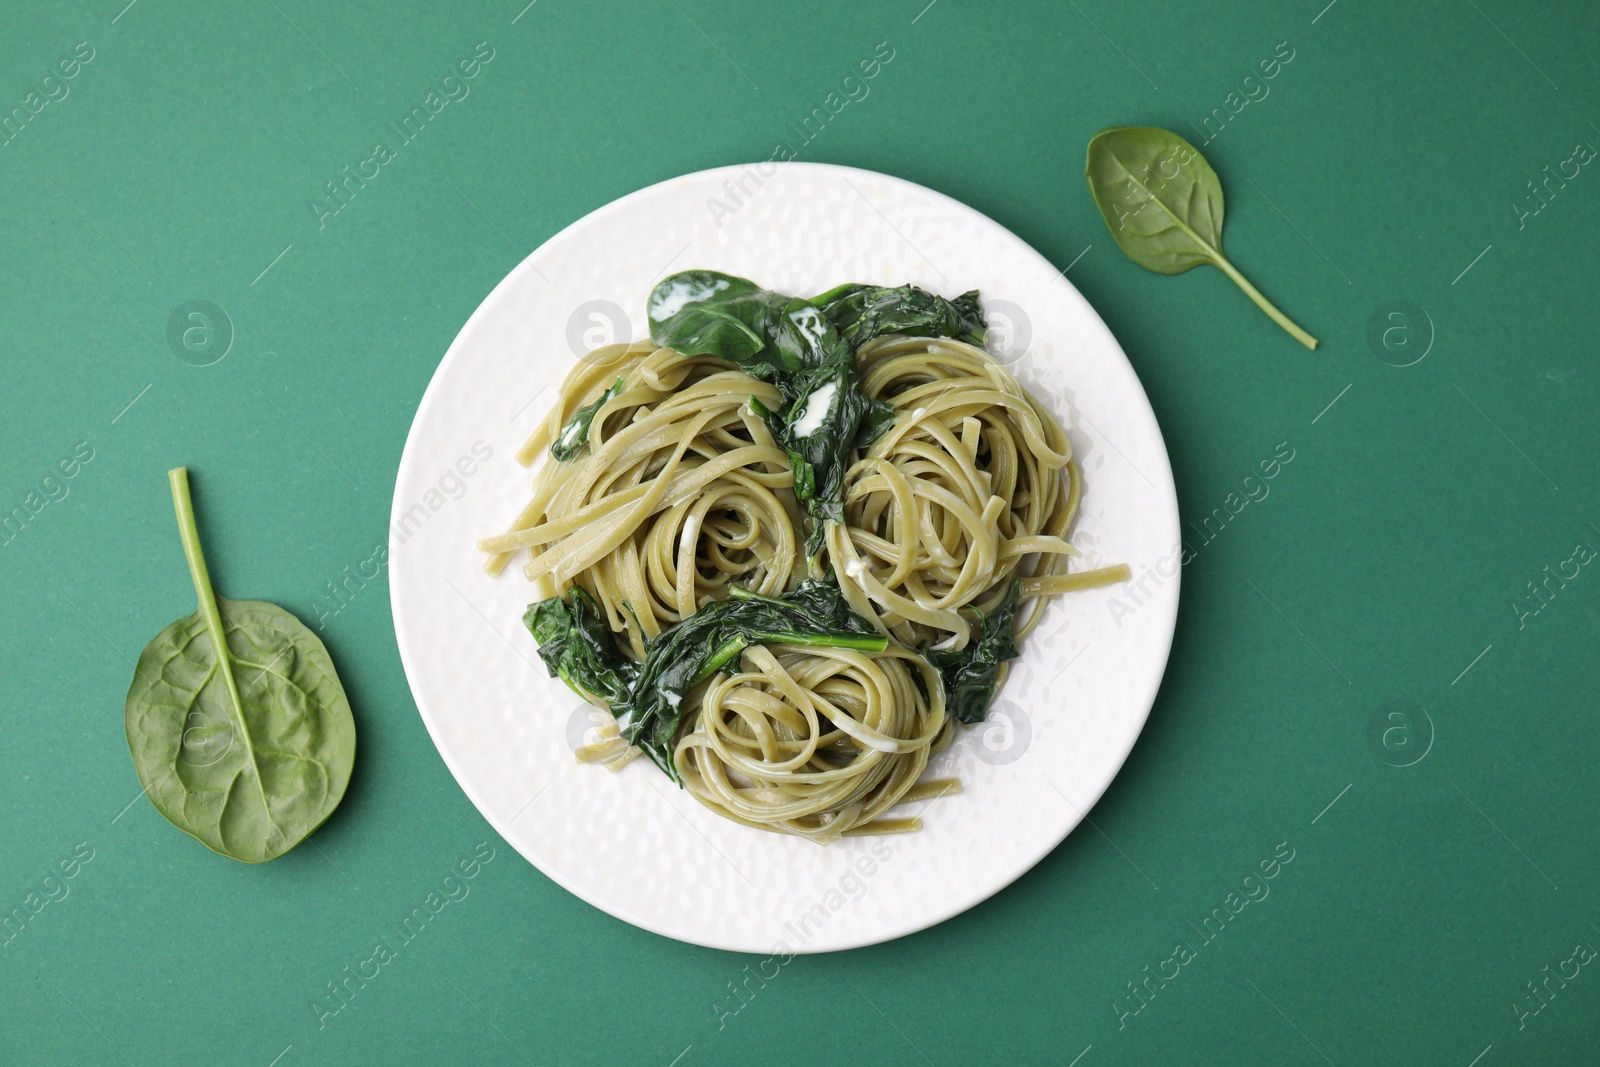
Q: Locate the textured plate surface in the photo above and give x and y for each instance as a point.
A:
(631, 843)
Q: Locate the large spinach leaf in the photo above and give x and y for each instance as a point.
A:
(647, 698)
(703, 312)
(807, 349)
(238, 726)
(1163, 204)
(972, 674)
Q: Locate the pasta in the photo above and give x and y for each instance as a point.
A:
(680, 493)
(817, 742)
(973, 477)
(824, 679)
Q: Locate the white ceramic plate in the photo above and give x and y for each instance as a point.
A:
(631, 843)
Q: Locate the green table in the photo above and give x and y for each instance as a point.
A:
(1383, 682)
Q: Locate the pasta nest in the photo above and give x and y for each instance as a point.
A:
(679, 493)
(971, 486)
(815, 741)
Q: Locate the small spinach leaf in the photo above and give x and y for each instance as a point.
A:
(825, 415)
(238, 726)
(1163, 204)
(577, 647)
(575, 434)
(972, 674)
(863, 313)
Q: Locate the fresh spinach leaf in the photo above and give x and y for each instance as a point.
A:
(648, 704)
(238, 726)
(575, 434)
(972, 674)
(1163, 204)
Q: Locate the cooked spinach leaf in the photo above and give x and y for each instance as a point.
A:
(807, 349)
(1163, 204)
(577, 647)
(823, 415)
(238, 726)
(863, 313)
(575, 434)
(703, 312)
(647, 698)
(972, 674)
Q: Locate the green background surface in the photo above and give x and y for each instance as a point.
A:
(1385, 160)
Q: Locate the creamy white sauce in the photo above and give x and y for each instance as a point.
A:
(816, 410)
(665, 303)
(810, 322)
(673, 698)
(856, 569)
